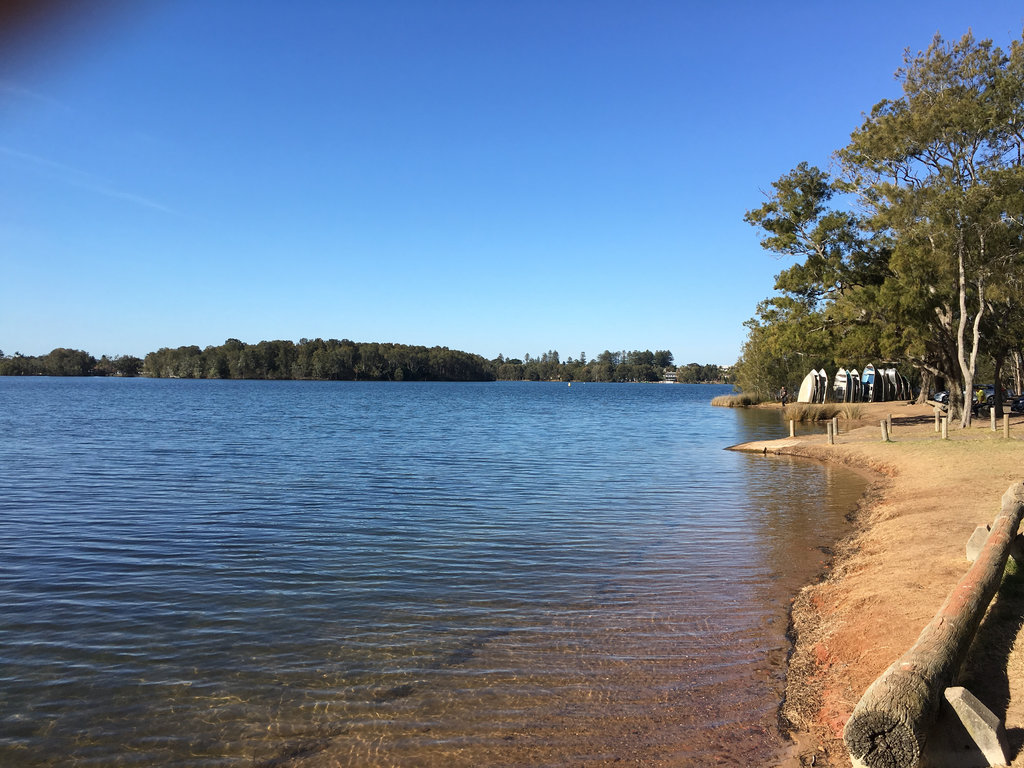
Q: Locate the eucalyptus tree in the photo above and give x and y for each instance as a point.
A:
(938, 169)
(814, 317)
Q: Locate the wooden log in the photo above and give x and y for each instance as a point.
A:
(889, 725)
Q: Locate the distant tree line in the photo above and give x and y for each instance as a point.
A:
(346, 360)
(607, 366)
(317, 359)
(632, 366)
(694, 373)
(68, 362)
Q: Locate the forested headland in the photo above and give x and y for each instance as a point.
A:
(68, 362)
(910, 250)
(344, 360)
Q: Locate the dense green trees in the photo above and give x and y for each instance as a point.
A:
(68, 362)
(606, 367)
(914, 253)
(346, 360)
(342, 360)
(624, 366)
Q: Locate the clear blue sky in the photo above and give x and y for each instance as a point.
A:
(498, 177)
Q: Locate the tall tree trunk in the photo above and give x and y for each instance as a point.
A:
(927, 385)
(997, 395)
(968, 363)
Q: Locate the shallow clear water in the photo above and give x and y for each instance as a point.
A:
(232, 573)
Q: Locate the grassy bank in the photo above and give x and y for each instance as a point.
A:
(741, 400)
(821, 411)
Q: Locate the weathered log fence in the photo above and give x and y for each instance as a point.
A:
(890, 724)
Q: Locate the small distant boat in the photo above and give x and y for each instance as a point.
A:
(867, 380)
(808, 388)
(841, 387)
(822, 386)
(905, 388)
(855, 390)
(895, 388)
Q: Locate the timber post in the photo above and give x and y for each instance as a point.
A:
(885, 431)
(890, 723)
(792, 428)
(936, 419)
(831, 433)
(945, 427)
(992, 417)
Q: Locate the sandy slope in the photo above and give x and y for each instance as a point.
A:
(892, 575)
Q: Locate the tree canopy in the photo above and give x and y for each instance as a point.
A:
(912, 252)
(344, 360)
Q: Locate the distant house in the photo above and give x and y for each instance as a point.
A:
(669, 376)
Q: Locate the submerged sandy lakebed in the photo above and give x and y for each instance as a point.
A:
(889, 577)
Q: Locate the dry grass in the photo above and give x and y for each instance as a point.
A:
(810, 411)
(921, 511)
(851, 411)
(741, 400)
(821, 412)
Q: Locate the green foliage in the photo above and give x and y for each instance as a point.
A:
(59, 362)
(624, 366)
(695, 373)
(346, 360)
(318, 359)
(915, 255)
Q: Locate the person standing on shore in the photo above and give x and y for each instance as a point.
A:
(783, 396)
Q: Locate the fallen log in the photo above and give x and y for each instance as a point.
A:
(889, 725)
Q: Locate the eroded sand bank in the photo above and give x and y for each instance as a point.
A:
(895, 570)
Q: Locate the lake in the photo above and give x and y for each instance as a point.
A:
(245, 573)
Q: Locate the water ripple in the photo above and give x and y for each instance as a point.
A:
(305, 574)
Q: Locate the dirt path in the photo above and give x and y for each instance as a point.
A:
(892, 575)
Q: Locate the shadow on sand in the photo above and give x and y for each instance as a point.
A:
(986, 674)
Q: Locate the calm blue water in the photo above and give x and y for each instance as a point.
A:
(227, 573)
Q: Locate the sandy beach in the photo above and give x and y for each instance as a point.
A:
(902, 558)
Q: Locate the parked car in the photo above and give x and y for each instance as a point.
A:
(1016, 401)
(989, 396)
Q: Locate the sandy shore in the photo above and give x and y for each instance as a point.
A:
(892, 574)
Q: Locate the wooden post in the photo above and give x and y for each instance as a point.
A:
(945, 427)
(1006, 425)
(890, 722)
(936, 419)
(831, 433)
(992, 416)
(792, 428)
(885, 431)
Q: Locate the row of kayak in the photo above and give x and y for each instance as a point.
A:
(872, 385)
